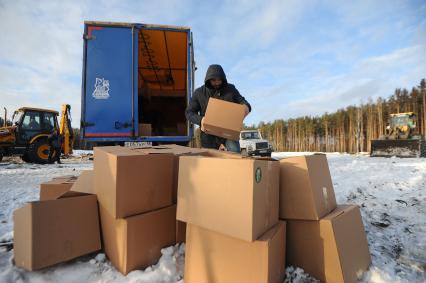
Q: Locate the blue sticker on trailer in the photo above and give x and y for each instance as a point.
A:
(109, 94)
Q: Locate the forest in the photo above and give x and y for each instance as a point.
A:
(346, 130)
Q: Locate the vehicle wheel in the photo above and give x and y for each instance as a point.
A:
(244, 152)
(26, 158)
(39, 152)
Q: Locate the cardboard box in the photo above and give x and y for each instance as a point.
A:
(214, 257)
(180, 232)
(224, 119)
(306, 189)
(145, 130)
(53, 231)
(84, 183)
(334, 249)
(236, 197)
(135, 242)
(129, 181)
(56, 187)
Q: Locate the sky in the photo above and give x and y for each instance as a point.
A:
(287, 58)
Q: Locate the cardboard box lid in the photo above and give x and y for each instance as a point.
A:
(221, 114)
(57, 187)
(246, 190)
(172, 148)
(215, 257)
(54, 231)
(306, 189)
(84, 183)
(121, 151)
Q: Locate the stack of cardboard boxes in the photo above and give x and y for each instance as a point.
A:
(231, 207)
(242, 218)
(135, 192)
(327, 240)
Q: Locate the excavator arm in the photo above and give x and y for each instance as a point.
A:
(65, 129)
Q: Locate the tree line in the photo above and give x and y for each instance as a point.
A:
(346, 130)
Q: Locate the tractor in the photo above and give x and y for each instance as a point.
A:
(401, 139)
(27, 135)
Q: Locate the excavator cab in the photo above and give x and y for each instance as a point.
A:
(28, 134)
(401, 126)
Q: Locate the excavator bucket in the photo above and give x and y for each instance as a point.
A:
(398, 148)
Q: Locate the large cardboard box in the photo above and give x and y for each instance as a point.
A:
(53, 231)
(145, 130)
(236, 197)
(129, 181)
(224, 119)
(306, 189)
(214, 257)
(333, 249)
(56, 187)
(135, 242)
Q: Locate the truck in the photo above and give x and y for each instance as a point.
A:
(252, 143)
(136, 84)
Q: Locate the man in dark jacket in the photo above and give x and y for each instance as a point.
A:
(55, 146)
(216, 86)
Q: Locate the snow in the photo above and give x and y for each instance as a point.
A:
(390, 191)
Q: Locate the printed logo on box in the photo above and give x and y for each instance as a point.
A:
(258, 175)
(101, 89)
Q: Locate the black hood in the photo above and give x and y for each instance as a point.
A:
(215, 71)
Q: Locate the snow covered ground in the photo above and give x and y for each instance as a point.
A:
(391, 193)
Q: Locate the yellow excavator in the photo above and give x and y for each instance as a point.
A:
(401, 139)
(27, 133)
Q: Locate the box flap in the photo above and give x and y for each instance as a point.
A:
(84, 183)
(170, 148)
(56, 187)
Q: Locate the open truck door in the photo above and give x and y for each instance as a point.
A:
(137, 82)
(108, 88)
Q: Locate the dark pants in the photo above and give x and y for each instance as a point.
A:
(54, 154)
(210, 141)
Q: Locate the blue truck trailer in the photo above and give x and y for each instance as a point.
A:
(137, 82)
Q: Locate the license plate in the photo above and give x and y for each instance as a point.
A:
(262, 151)
(138, 144)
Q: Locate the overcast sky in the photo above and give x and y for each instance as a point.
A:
(288, 58)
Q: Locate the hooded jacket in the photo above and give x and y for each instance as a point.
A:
(198, 105)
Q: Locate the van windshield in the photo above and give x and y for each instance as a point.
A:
(250, 135)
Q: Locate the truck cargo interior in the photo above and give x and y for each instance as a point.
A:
(162, 82)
